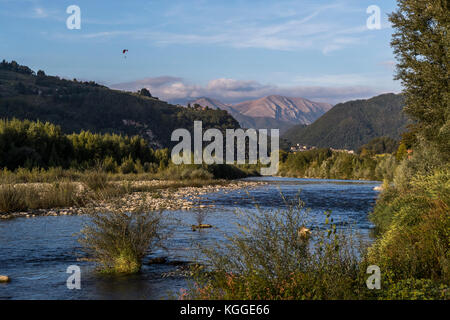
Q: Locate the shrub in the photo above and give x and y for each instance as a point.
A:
(11, 199)
(200, 174)
(226, 171)
(127, 166)
(267, 259)
(416, 225)
(117, 240)
(417, 289)
(109, 165)
(151, 167)
(185, 172)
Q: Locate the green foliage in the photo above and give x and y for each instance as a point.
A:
(30, 144)
(379, 145)
(352, 124)
(268, 259)
(413, 214)
(117, 240)
(421, 41)
(109, 165)
(127, 165)
(415, 226)
(326, 164)
(417, 289)
(401, 152)
(33, 144)
(225, 171)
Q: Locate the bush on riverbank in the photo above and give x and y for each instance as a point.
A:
(117, 240)
(269, 259)
(413, 218)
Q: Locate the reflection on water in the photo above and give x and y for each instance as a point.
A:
(36, 252)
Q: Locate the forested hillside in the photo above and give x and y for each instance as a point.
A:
(76, 106)
(352, 124)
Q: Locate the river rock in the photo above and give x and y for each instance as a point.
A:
(201, 226)
(159, 260)
(4, 279)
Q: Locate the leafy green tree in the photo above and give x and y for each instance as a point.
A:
(379, 145)
(421, 43)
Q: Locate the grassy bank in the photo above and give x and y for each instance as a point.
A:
(413, 221)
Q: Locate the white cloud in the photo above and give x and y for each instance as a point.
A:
(290, 30)
(40, 13)
(178, 90)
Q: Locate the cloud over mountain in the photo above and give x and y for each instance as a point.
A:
(175, 89)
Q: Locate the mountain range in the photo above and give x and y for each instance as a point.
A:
(269, 112)
(77, 106)
(352, 124)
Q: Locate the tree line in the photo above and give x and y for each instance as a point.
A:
(30, 144)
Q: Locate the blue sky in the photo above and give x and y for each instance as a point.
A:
(230, 50)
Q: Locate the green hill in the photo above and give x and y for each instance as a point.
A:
(352, 124)
(77, 106)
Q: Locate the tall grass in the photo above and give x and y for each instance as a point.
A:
(98, 177)
(11, 199)
(15, 198)
(57, 195)
(95, 180)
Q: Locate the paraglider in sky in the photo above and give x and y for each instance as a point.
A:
(124, 53)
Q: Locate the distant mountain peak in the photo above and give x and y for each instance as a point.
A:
(210, 102)
(273, 111)
(295, 110)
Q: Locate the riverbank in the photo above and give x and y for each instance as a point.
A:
(152, 194)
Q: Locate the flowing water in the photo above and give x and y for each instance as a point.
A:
(36, 252)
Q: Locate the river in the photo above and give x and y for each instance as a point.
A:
(36, 252)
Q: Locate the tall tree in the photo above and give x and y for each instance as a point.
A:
(421, 43)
